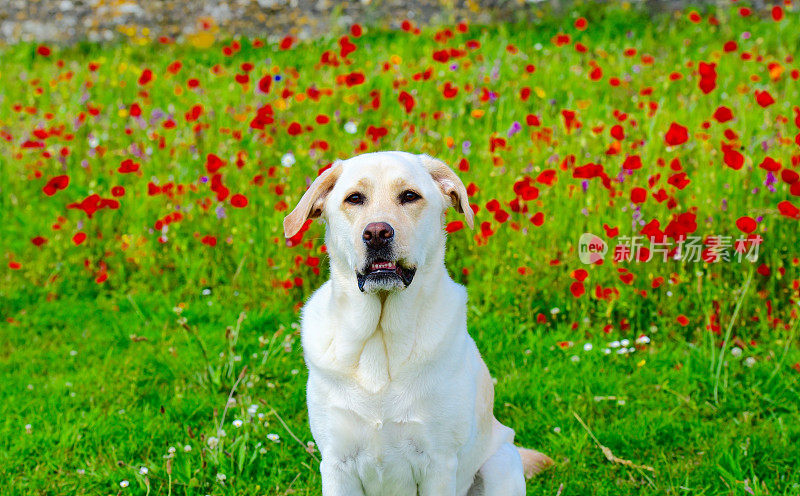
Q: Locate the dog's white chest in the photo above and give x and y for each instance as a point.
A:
(373, 371)
(384, 436)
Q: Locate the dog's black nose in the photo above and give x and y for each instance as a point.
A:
(377, 234)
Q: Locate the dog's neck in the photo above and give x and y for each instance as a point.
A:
(391, 328)
(412, 302)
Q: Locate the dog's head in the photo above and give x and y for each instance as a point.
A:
(384, 214)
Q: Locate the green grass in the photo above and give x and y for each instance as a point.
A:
(120, 348)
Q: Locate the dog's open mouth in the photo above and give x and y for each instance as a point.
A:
(383, 274)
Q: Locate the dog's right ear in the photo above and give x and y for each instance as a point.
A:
(312, 203)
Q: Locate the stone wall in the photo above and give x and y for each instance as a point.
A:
(67, 21)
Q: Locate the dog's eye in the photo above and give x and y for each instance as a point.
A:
(355, 199)
(408, 197)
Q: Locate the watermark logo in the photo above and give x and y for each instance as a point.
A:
(591, 248)
(694, 249)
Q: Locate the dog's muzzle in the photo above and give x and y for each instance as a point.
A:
(380, 272)
(385, 274)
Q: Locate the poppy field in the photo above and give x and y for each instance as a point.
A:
(633, 273)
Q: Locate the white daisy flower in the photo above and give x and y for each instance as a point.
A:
(288, 159)
(274, 437)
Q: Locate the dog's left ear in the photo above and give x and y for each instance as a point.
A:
(451, 186)
(312, 203)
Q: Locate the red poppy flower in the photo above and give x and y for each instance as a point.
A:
(579, 275)
(55, 184)
(294, 129)
(746, 224)
(264, 84)
(354, 79)
(790, 176)
(407, 101)
(532, 120)
(449, 90)
(676, 135)
(239, 201)
(128, 166)
(286, 43)
(708, 77)
(723, 114)
(638, 195)
(732, 157)
(454, 226)
(632, 162)
(770, 164)
(570, 120)
(213, 163)
(787, 209)
(679, 180)
(764, 99)
(577, 289)
(346, 47)
(146, 77)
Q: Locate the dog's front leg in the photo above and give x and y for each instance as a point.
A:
(440, 478)
(340, 478)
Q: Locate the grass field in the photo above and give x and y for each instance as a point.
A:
(149, 341)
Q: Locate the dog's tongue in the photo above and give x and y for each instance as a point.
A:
(383, 266)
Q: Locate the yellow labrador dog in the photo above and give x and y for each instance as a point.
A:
(399, 400)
